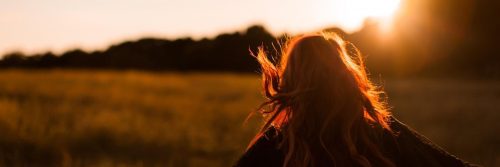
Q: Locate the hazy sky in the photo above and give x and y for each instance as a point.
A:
(59, 25)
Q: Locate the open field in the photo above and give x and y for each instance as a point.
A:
(129, 118)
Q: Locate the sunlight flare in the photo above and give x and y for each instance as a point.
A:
(351, 14)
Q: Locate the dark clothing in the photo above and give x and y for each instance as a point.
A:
(404, 147)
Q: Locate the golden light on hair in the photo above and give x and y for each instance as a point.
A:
(319, 91)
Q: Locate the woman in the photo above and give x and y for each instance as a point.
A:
(323, 111)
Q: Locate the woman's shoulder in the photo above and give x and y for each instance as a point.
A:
(409, 148)
(264, 152)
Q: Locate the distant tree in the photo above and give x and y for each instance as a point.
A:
(13, 59)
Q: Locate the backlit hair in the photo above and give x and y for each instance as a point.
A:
(321, 100)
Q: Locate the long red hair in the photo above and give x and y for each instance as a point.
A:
(323, 104)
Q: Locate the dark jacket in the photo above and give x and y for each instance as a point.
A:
(405, 148)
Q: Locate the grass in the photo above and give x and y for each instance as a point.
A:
(130, 118)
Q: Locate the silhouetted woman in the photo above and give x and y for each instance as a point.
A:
(323, 111)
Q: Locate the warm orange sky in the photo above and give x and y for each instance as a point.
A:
(59, 25)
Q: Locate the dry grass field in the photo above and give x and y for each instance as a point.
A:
(130, 118)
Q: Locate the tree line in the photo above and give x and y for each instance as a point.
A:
(226, 52)
(456, 38)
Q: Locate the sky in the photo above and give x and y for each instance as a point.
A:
(34, 26)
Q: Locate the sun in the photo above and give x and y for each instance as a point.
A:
(350, 14)
(384, 12)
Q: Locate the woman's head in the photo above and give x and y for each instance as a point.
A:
(321, 100)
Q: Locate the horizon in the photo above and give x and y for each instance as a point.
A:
(91, 26)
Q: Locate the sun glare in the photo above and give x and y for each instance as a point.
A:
(351, 14)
